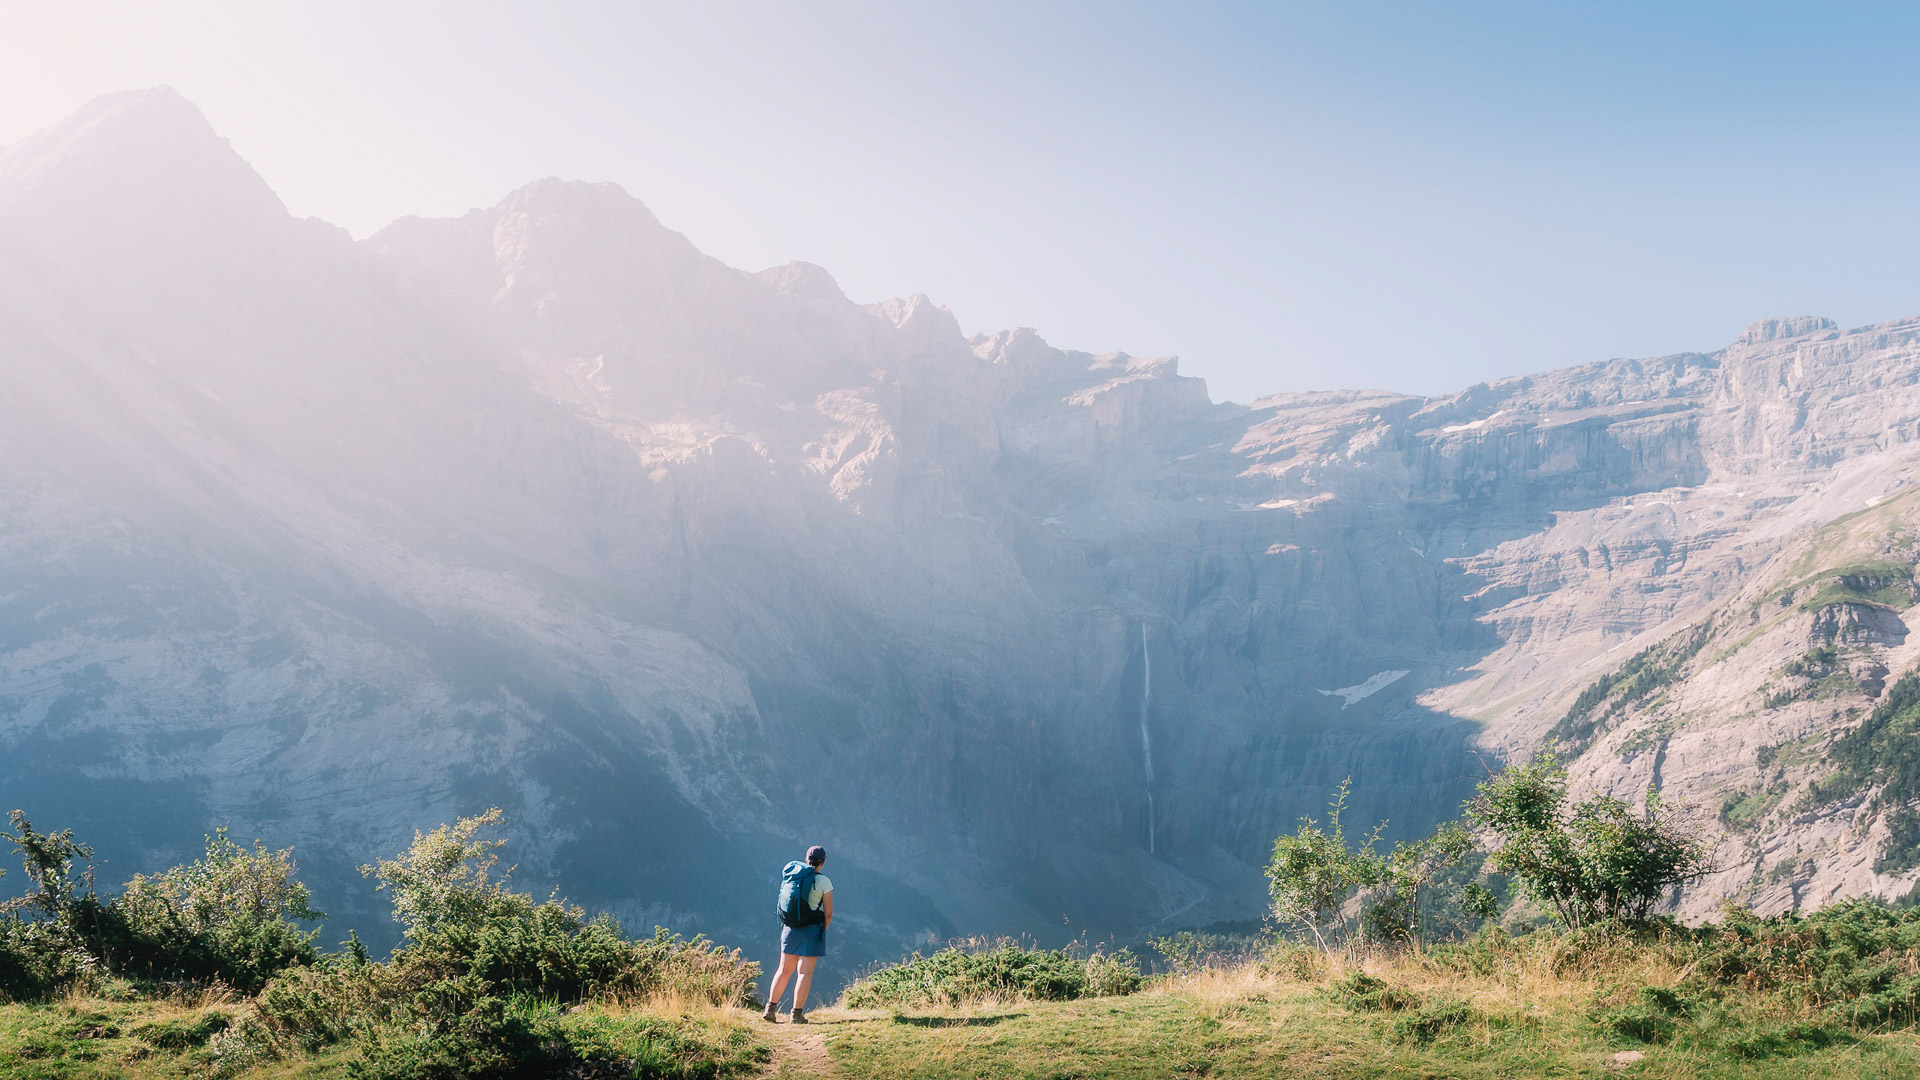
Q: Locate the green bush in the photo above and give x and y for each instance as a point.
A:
(1587, 862)
(953, 976)
(39, 959)
(1857, 962)
(46, 936)
(479, 980)
(229, 916)
(1316, 874)
(1654, 1015)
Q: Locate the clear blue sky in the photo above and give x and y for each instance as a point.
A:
(1411, 196)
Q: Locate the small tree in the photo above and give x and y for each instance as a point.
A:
(1589, 861)
(230, 915)
(1408, 871)
(1324, 887)
(1314, 875)
(47, 936)
(48, 860)
(447, 877)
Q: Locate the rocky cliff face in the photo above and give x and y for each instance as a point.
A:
(685, 567)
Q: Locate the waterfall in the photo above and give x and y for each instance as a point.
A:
(1146, 740)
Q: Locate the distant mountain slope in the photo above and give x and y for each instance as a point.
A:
(685, 566)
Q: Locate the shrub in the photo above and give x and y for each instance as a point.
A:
(1112, 976)
(1587, 862)
(46, 936)
(954, 976)
(483, 970)
(228, 916)
(1321, 884)
(39, 959)
(244, 1044)
(1856, 962)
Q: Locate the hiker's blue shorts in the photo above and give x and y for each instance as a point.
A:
(804, 940)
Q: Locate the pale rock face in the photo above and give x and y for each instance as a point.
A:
(686, 567)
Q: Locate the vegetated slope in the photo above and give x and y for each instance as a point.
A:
(1781, 717)
(686, 566)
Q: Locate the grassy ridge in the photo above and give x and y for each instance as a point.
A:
(1543, 1005)
(201, 971)
(178, 1037)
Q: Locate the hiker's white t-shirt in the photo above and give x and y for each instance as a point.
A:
(818, 895)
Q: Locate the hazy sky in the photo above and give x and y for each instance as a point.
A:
(1413, 196)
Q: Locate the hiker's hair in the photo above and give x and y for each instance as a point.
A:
(816, 855)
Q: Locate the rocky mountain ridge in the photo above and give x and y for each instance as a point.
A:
(684, 566)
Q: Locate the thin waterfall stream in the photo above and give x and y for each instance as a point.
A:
(1146, 740)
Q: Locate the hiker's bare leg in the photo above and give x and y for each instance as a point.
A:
(787, 964)
(805, 980)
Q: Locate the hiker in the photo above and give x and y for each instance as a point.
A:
(806, 910)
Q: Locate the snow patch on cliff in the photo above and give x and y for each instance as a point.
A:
(1361, 691)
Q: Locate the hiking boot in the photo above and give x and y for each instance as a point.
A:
(799, 1016)
(772, 1013)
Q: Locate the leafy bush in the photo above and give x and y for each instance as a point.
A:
(483, 970)
(1856, 961)
(1587, 862)
(47, 936)
(39, 959)
(1188, 952)
(1009, 972)
(1323, 885)
(461, 920)
(228, 916)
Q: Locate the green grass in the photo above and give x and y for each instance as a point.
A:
(86, 1038)
(1741, 809)
(1835, 993)
(1880, 583)
(1242, 1023)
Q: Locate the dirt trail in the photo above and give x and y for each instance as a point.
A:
(801, 1049)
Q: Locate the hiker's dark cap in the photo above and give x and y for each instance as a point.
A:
(816, 854)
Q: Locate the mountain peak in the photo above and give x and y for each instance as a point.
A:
(588, 201)
(132, 165)
(802, 279)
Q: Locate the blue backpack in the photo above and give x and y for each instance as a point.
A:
(796, 884)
